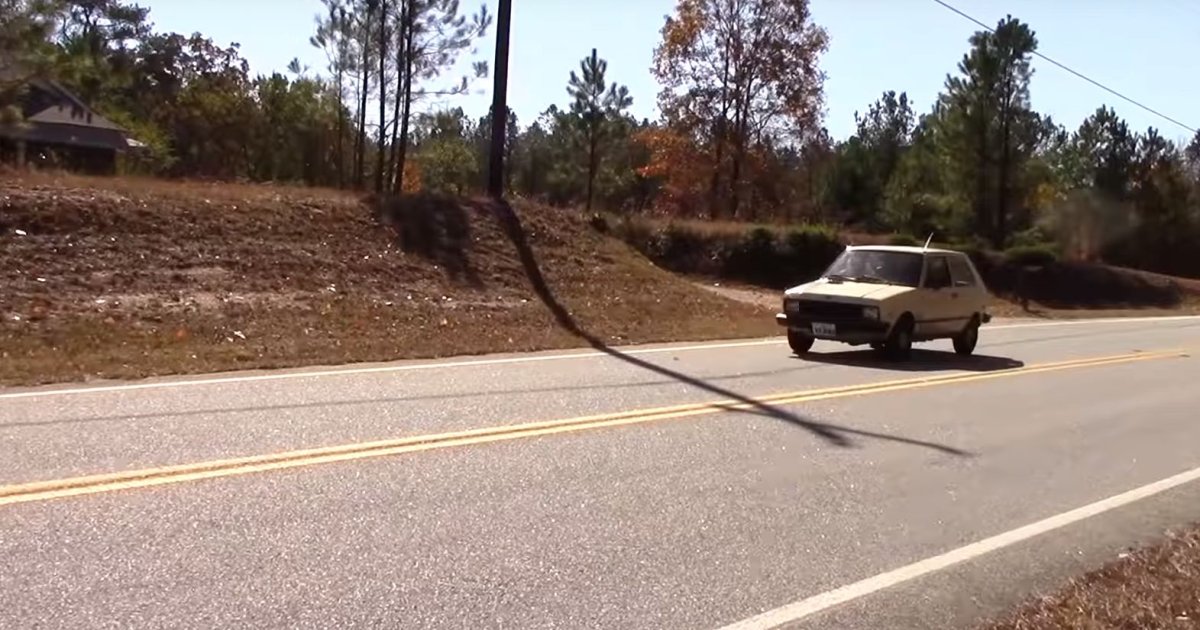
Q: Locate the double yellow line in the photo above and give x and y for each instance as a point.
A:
(93, 484)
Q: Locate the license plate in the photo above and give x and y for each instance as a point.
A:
(824, 330)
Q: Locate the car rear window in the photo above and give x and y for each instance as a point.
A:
(960, 270)
(938, 275)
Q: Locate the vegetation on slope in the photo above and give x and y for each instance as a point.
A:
(124, 278)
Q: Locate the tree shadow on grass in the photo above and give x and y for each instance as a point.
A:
(434, 227)
(840, 436)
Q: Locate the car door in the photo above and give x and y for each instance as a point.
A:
(972, 296)
(940, 313)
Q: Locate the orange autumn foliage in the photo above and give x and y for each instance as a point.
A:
(412, 181)
(683, 167)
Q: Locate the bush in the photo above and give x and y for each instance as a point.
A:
(809, 251)
(754, 256)
(1031, 255)
(758, 255)
(681, 248)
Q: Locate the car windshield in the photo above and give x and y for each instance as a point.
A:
(885, 267)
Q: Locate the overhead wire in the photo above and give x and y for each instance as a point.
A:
(1077, 73)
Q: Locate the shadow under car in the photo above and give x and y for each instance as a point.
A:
(920, 361)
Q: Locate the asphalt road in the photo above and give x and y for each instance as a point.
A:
(832, 492)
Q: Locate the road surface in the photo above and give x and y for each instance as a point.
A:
(686, 486)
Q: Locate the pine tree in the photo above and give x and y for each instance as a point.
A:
(994, 131)
(594, 107)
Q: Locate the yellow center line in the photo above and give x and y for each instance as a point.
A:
(93, 484)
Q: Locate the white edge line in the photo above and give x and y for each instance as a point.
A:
(796, 611)
(383, 369)
(374, 370)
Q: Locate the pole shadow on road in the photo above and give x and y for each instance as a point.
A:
(510, 223)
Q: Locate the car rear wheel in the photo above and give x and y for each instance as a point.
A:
(899, 344)
(800, 342)
(966, 340)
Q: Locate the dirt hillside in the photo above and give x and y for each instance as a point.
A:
(126, 278)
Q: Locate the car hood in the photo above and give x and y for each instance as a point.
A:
(848, 291)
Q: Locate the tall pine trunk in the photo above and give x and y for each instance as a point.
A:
(409, 54)
(401, 54)
(982, 214)
(1005, 167)
(593, 164)
(340, 160)
(361, 158)
(380, 153)
(714, 192)
(358, 135)
(741, 130)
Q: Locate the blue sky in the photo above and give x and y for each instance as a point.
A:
(1144, 49)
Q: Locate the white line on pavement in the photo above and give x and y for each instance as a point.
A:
(380, 369)
(410, 367)
(796, 611)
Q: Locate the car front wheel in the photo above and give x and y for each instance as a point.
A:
(899, 344)
(800, 342)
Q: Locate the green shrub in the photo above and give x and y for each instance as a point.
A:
(1031, 255)
(681, 248)
(810, 249)
(753, 256)
(759, 255)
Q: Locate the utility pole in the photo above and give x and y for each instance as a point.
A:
(499, 102)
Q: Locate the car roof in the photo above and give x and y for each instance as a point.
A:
(905, 249)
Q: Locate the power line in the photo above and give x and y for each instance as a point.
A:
(1078, 74)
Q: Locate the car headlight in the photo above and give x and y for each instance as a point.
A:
(791, 306)
(871, 312)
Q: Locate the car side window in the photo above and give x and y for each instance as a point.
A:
(937, 273)
(960, 272)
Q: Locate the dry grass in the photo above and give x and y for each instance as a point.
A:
(120, 278)
(1157, 587)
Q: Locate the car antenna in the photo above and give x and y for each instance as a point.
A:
(927, 242)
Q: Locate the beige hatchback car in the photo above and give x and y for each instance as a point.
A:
(889, 297)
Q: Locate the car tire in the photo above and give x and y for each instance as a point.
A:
(899, 343)
(800, 342)
(965, 342)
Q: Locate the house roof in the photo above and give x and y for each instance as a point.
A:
(69, 110)
(57, 116)
(72, 115)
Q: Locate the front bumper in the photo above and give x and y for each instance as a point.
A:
(853, 331)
